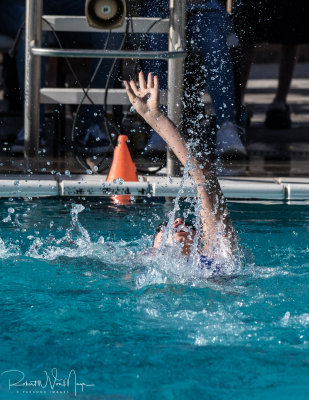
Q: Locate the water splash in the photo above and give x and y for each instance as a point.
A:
(9, 216)
(83, 237)
(225, 260)
(9, 250)
(77, 243)
(296, 320)
(146, 267)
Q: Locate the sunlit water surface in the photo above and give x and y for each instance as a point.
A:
(77, 294)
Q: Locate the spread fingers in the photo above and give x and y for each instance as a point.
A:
(150, 81)
(142, 82)
(130, 92)
(134, 88)
(156, 82)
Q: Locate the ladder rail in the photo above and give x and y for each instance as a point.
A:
(123, 54)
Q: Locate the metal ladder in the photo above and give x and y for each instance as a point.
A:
(35, 95)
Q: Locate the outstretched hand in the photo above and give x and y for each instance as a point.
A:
(146, 98)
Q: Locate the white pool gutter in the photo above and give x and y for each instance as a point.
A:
(234, 188)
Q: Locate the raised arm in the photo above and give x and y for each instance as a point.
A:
(214, 214)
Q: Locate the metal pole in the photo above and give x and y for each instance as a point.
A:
(33, 33)
(176, 74)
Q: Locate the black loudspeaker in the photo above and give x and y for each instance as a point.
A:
(105, 14)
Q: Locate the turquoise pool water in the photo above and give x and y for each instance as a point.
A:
(75, 296)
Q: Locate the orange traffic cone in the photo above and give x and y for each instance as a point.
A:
(122, 167)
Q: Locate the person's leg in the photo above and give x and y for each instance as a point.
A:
(206, 33)
(286, 69)
(278, 112)
(246, 58)
(242, 57)
(248, 22)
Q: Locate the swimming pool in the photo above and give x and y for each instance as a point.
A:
(76, 297)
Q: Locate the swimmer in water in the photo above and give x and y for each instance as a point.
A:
(216, 226)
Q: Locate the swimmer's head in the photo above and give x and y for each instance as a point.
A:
(182, 232)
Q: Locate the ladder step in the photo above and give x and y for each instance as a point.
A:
(65, 23)
(75, 96)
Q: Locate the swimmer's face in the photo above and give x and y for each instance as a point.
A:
(181, 233)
